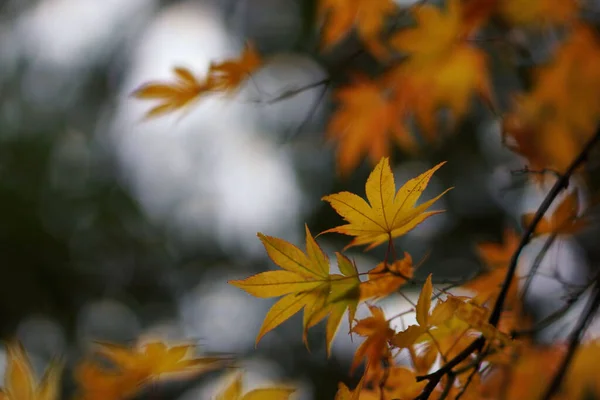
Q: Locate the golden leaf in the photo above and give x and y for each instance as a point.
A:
(19, 381)
(305, 282)
(387, 214)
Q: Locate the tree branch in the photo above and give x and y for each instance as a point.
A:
(559, 185)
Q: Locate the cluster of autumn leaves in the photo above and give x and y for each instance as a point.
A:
(118, 372)
(437, 62)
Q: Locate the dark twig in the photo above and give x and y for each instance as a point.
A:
(435, 377)
(559, 185)
(536, 264)
(574, 341)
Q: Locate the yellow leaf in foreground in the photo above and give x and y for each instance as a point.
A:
(305, 283)
(387, 214)
(19, 381)
(234, 392)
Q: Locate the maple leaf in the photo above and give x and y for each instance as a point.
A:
(538, 12)
(344, 393)
(173, 95)
(131, 368)
(368, 15)
(154, 359)
(365, 121)
(564, 220)
(377, 331)
(19, 380)
(497, 257)
(99, 383)
(555, 119)
(230, 74)
(234, 392)
(388, 214)
(443, 69)
(402, 384)
(305, 282)
(386, 278)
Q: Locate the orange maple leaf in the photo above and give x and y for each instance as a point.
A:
(173, 95)
(229, 75)
(19, 380)
(443, 69)
(387, 214)
(234, 392)
(133, 367)
(386, 278)
(304, 282)
(378, 332)
(368, 15)
(564, 219)
(365, 121)
(496, 257)
(551, 123)
(538, 12)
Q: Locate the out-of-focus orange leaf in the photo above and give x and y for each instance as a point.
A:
(99, 383)
(499, 254)
(385, 278)
(496, 257)
(564, 220)
(582, 376)
(155, 360)
(368, 15)
(538, 12)
(234, 392)
(443, 69)
(551, 123)
(230, 74)
(387, 214)
(133, 367)
(172, 95)
(366, 121)
(305, 282)
(19, 380)
(378, 332)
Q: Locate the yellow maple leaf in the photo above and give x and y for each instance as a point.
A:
(386, 278)
(234, 392)
(368, 15)
(344, 393)
(365, 122)
(387, 214)
(172, 95)
(19, 380)
(305, 283)
(229, 75)
(564, 219)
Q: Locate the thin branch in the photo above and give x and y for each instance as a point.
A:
(559, 185)
(435, 377)
(536, 264)
(574, 342)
